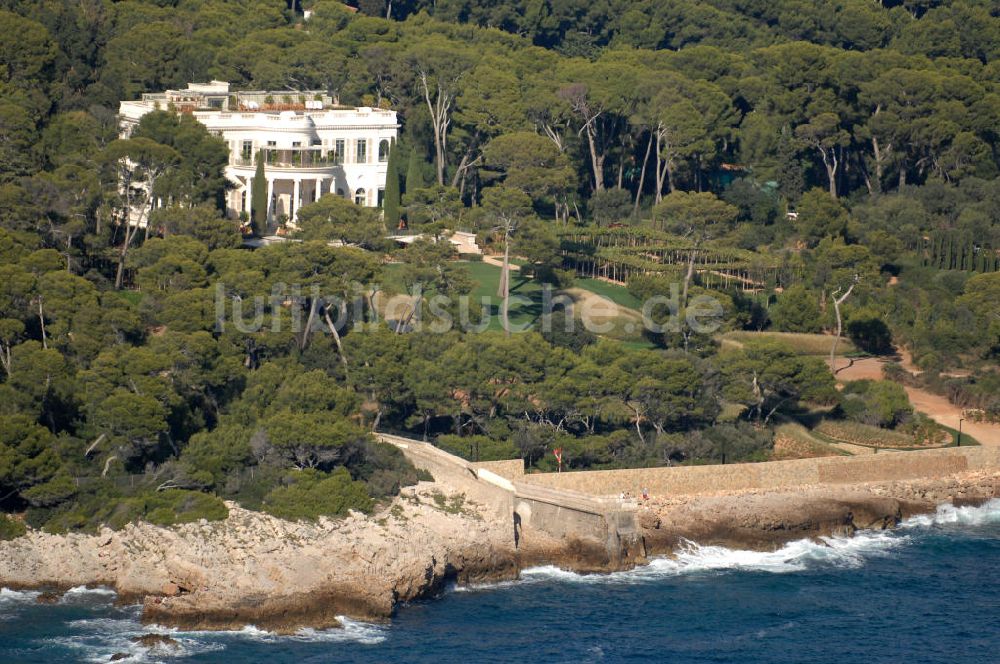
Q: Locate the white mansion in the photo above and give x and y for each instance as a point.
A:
(311, 144)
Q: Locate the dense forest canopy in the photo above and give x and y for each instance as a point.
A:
(812, 166)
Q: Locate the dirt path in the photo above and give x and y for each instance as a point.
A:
(867, 368)
(936, 406)
(498, 261)
(944, 412)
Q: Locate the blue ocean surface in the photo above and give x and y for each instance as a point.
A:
(926, 592)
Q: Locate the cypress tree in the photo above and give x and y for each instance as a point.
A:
(414, 173)
(260, 202)
(390, 203)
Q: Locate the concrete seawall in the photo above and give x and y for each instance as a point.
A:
(546, 522)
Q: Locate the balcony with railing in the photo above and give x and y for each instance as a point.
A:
(292, 158)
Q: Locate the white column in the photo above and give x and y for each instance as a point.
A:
(318, 187)
(270, 197)
(296, 188)
(248, 208)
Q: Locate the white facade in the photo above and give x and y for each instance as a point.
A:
(312, 145)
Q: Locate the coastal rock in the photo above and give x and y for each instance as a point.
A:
(155, 640)
(766, 520)
(49, 597)
(281, 576)
(648, 520)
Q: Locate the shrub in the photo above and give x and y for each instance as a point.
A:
(167, 508)
(610, 205)
(894, 371)
(723, 442)
(477, 448)
(876, 402)
(11, 528)
(567, 333)
(249, 490)
(868, 331)
(926, 432)
(53, 492)
(85, 511)
(180, 506)
(311, 494)
(797, 310)
(102, 504)
(385, 469)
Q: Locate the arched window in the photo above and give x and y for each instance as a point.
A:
(359, 197)
(383, 150)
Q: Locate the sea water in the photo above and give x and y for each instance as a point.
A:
(926, 592)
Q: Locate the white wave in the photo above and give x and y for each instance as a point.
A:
(9, 599)
(553, 573)
(128, 625)
(8, 596)
(97, 639)
(948, 514)
(350, 630)
(483, 587)
(792, 557)
(84, 593)
(693, 558)
(99, 647)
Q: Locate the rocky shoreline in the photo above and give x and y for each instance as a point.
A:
(282, 576)
(767, 519)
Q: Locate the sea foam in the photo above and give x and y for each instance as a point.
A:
(948, 514)
(85, 594)
(693, 558)
(9, 599)
(8, 596)
(97, 639)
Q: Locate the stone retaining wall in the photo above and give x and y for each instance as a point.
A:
(512, 469)
(679, 480)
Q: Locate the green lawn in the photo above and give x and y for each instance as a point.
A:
(637, 344)
(967, 440)
(487, 279)
(133, 297)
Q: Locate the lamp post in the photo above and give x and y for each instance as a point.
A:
(959, 443)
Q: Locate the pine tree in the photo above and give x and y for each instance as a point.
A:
(791, 173)
(390, 203)
(260, 202)
(414, 172)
